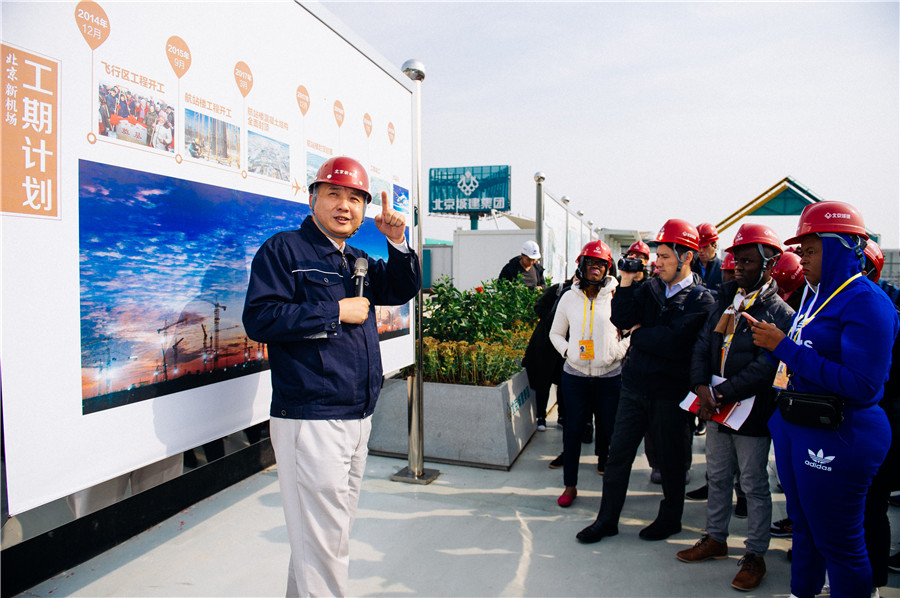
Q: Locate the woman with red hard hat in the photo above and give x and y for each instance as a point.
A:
(593, 354)
(829, 433)
(788, 273)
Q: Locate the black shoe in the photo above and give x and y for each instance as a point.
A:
(701, 493)
(740, 509)
(596, 532)
(783, 528)
(588, 435)
(659, 531)
(601, 466)
(541, 424)
(556, 463)
(790, 556)
(701, 428)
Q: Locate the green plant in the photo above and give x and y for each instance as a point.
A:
(488, 313)
(478, 336)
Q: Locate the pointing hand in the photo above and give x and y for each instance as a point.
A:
(391, 223)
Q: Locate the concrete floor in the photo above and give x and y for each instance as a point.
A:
(473, 532)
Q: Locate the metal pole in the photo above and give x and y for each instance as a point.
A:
(539, 211)
(565, 199)
(415, 472)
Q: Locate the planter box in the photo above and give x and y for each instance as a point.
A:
(481, 426)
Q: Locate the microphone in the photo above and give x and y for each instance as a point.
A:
(360, 268)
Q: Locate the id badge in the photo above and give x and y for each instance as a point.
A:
(781, 377)
(586, 349)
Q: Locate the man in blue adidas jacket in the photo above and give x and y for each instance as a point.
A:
(326, 363)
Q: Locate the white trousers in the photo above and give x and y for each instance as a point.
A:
(320, 470)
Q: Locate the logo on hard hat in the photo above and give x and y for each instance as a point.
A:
(831, 215)
(467, 183)
(688, 235)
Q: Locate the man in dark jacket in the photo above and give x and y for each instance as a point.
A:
(707, 264)
(726, 368)
(663, 316)
(325, 360)
(527, 265)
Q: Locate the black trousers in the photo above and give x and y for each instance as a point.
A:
(665, 421)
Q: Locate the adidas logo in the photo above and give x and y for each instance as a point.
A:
(818, 460)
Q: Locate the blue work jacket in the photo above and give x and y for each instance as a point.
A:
(321, 368)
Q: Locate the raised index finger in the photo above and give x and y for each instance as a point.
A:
(387, 202)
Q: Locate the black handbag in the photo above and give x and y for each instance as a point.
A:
(825, 412)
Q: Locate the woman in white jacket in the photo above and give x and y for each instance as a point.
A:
(594, 351)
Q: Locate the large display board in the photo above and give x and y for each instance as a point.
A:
(148, 149)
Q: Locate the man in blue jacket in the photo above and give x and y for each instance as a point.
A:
(326, 363)
(664, 316)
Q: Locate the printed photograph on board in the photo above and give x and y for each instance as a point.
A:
(268, 157)
(136, 116)
(313, 162)
(164, 266)
(401, 199)
(211, 139)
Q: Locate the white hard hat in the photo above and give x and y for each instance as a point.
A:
(531, 249)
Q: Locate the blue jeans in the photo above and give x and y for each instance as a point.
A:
(586, 397)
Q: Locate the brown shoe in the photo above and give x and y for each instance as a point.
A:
(753, 569)
(706, 548)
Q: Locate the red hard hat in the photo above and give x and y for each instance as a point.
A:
(829, 217)
(788, 273)
(639, 247)
(598, 250)
(751, 234)
(679, 231)
(727, 262)
(708, 234)
(876, 256)
(345, 172)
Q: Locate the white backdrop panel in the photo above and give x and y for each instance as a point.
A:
(257, 146)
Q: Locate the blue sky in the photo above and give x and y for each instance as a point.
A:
(640, 112)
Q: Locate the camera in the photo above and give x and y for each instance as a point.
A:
(630, 264)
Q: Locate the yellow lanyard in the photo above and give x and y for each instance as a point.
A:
(801, 320)
(584, 317)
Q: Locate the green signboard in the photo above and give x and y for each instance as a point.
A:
(469, 189)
